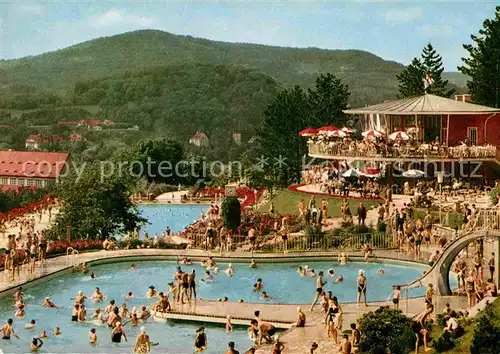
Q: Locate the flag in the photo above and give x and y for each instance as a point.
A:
(428, 81)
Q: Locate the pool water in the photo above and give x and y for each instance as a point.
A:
(175, 216)
(115, 280)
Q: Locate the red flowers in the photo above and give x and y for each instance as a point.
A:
(247, 196)
(30, 208)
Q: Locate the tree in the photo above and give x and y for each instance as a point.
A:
(281, 147)
(483, 63)
(486, 333)
(411, 79)
(94, 205)
(231, 212)
(386, 329)
(327, 101)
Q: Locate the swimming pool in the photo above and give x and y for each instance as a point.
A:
(175, 216)
(115, 280)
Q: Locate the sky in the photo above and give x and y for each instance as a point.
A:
(392, 30)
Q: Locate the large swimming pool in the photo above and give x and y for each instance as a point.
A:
(115, 280)
(175, 216)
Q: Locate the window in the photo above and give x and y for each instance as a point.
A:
(4, 181)
(31, 182)
(472, 135)
(39, 183)
(13, 181)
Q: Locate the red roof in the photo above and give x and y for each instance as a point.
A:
(32, 163)
(199, 136)
(91, 122)
(68, 123)
(46, 139)
(76, 137)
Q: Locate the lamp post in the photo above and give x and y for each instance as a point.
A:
(440, 177)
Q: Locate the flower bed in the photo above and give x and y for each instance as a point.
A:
(27, 209)
(295, 188)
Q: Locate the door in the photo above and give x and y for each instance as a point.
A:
(472, 135)
(432, 128)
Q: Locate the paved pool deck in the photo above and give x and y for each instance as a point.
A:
(297, 340)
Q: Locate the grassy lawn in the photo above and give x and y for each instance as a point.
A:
(286, 201)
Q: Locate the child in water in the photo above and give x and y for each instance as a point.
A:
(229, 325)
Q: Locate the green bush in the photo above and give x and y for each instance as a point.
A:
(231, 213)
(486, 333)
(443, 343)
(382, 227)
(386, 329)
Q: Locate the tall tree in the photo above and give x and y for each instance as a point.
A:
(411, 80)
(94, 204)
(327, 100)
(281, 146)
(483, 63)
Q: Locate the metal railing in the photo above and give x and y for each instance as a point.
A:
(296, 242)
(71, 257)
(456, 152)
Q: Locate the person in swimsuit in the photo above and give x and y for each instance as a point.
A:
(8, 330)
(92, 336)
(192, 285)
(117, 333)
(470, 288)
(48, 303)
(142, 343)
(301, 318)
(230, 349)
(491, 265)
(200, 341)
(36, 344)
(418, 326)
(362, 282)
(278, 347)
(74, 314)
(478, 266)
(265, 330)
(319, 289)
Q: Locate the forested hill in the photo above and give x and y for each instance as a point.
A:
(370, 78)
(182, 99)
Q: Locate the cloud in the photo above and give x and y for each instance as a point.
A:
(115, 17)
(436, 30)
(403, 15)
(32, 9)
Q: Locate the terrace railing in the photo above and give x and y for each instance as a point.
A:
(455, 152)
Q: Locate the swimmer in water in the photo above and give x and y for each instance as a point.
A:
(252, 264)
(216, 270)
(264, 296)
(92, 276)
(151, 292)
(36, 344)
(43, 334)
(48, 303)
(132, 267)
(331, 273)
(229, 324)
(57, 331)
(85, 269)
(30, 325)
(381, 272)
(342, 259)
(208, 275)
(229, 270)
(339, 279)
(97, 296)
(20, 313)
(259, 285)
(312, 274)
(98, 316)
(92, 336)
(129, 296)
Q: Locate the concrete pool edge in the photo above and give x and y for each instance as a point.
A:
(105, 257)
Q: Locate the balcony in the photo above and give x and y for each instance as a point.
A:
(363, 150)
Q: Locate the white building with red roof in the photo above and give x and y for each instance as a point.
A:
(199, 139)
(31, 168)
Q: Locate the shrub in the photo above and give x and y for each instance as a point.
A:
(231, 213)
(386, 329)
(382, 227)
(443, 343)
(486, 333)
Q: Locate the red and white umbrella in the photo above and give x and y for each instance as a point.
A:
(371, 172)
(347, 130)
(337, 134)
(399, 136)
(328, 129)
(308, 132)
(373, 134)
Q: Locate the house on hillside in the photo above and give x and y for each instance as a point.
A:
(93, 124)
(76, 138)
(19, 169)
(237, 138)
(68, 123)
(199, 139)
(35, 140)
(108, 122)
